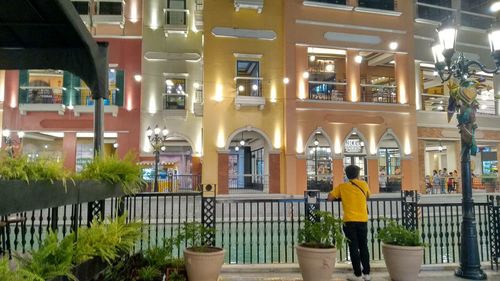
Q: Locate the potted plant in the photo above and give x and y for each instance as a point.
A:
(403, 251)
(203, 261)
(318, 243)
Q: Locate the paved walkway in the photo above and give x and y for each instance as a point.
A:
(290, 272)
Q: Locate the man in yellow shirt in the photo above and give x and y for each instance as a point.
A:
(354, 194)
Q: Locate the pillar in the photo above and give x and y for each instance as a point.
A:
(223, 173)
(373, 183)
(421, 166)
(402, 77)
(407, 182)
(300, 175)
(338, 170)
(419, 83)
(353, 77)
(69, 148)
(196, 165)
(496, 89)
(274, 172)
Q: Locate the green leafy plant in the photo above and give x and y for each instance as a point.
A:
(194, 234)
(8, 274)
(148, 273)
(325, 232)
(113, 170)
(52, 259)
(395, 234)
(106, 240)
(21, 168)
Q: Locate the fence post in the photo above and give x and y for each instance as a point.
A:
(54, 219)
(95, 210)
(409, 208)
(208, 211)
(311, 200)
(494, 218)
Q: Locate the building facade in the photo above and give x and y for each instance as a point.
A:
(172, 85)
(243, 89)
(54, 108)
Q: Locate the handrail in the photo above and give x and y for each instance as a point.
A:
(328, 83)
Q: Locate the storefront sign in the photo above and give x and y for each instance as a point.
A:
(353, 146)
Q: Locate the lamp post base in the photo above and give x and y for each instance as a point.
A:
(470, 273)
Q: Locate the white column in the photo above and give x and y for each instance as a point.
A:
(496, 90)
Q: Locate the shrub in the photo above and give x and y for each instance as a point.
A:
(325, 232)
(395, 234)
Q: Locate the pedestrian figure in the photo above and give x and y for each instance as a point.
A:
(436, 182)
(354, 193)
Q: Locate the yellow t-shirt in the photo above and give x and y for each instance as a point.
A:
(353, 200)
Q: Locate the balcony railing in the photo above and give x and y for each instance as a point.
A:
(249, 4)
(176, 21)
(378, 93)
(329, 91)
(475, 20)
(174, 102)
(437, 103)
(249, 86)
(43, 95)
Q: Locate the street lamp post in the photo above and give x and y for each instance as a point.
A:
(458, 70)
(157, 139)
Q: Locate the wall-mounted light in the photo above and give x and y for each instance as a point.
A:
(196, 85)
(316, 142)
(393, 45)
(358, 59)
(312, 58)
(286, 80)
(138, 78)
(115, 145)
(305, 75)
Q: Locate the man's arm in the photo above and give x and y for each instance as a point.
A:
(334, 194)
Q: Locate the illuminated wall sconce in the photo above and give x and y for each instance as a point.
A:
(305, 75)
(393, 45)
(358, 59)
(286, 80)
(138, 78)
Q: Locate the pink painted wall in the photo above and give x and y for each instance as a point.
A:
(124, 52)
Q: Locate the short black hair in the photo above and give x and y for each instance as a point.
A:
(352, 171)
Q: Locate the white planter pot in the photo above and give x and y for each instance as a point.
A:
(316, 264)
(204, 266)
(403, 263)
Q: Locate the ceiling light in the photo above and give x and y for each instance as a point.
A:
(242, 142)
(255, 87)
(138, 78)
(312, 58)
(316, 142)
(169, 82)
(358, 59)
(393, 45)
(329, 68)
(305, 75)
(237, 148)
(495, 7)
(241, 88)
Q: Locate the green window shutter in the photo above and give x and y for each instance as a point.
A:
(71, 95)
(24, 81)
(120, 85)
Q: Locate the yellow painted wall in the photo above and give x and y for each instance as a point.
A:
(221, 118)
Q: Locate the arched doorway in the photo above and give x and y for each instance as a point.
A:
(389, 164)
(176, 171)
(319, 163)
(355, 153)
(248, 162)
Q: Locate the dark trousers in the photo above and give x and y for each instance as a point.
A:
(357, 233)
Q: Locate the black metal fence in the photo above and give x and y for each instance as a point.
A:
(265, 230)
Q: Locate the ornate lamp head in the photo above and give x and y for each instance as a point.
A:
(447, 34)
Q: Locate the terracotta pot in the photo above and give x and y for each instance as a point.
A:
(204, 266)
(403, 263)
(316, 264)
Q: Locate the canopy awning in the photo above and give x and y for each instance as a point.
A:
(43, 34)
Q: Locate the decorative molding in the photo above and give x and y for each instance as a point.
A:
(247, 56)
(79, 109)
(378, 11)
(164, 56)
(229, 32)
(349, 26)
(327, 6)
(176, 74)
(24, 108)
(241, 101)
(352, 38)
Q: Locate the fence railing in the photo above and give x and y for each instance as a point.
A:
(265, 230)
(248, 181)
(177, 183)
(378, 93)
(328, 91)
